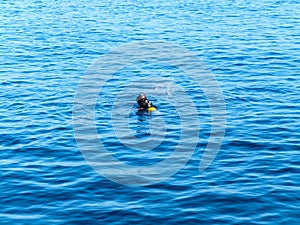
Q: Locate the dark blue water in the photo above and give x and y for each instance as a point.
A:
(252, 48)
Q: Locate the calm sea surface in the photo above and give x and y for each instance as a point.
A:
(252, 48)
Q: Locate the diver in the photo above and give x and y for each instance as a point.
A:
(144, 103)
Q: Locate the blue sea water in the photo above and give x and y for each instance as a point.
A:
(252, 48)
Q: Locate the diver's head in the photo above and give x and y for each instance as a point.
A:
(141, 98)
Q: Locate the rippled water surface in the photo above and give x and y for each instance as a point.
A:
(252, 48)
